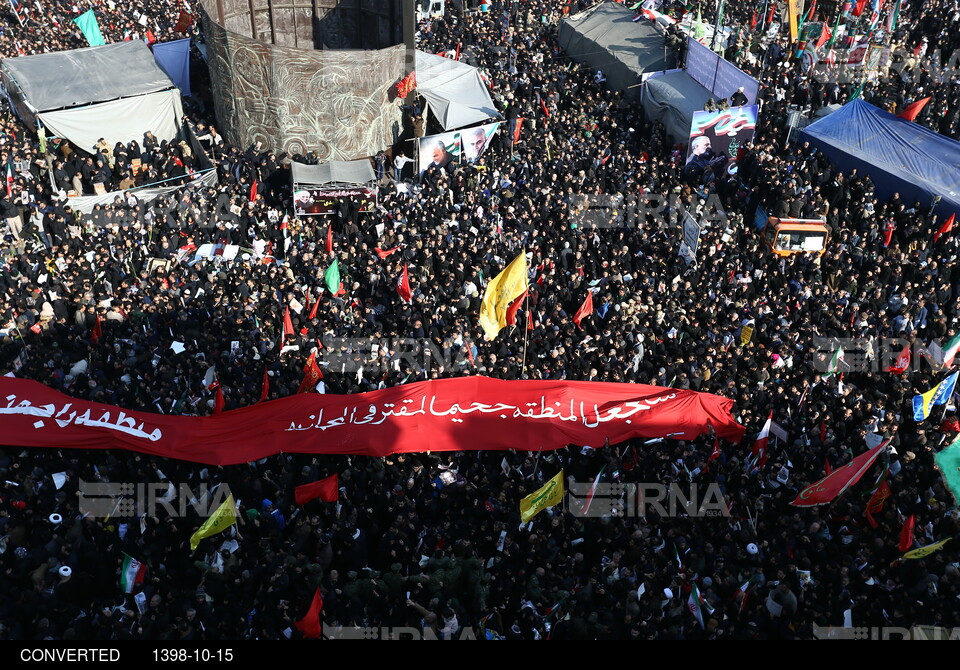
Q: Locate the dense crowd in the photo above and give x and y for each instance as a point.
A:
(433, 541)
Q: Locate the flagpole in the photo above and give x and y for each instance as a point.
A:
(526, 329)
(537, 464)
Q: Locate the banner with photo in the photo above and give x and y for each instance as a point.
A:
(476, 140)
(439, 151)
(716, 138)
(316, 201)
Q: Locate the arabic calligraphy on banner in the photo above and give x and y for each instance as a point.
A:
(426, 416)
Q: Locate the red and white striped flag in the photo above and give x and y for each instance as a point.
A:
(759, 452)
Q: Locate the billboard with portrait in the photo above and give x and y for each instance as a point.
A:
(716, 138)
(476, 140)
(313, 201)
(442, 150)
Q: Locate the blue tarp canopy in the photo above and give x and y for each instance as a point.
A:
(899, 155)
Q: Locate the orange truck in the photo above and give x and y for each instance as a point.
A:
(786, 237)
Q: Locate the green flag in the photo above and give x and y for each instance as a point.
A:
(698, 29)
(87, 23)
(856, 93)
(948, 461)
(332, 277)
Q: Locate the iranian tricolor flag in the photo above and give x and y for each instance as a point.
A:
(131, 574)
(950, 351)
(835, 361)
(593, 493)
(693, 604)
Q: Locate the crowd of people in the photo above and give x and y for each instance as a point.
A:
(434, 541)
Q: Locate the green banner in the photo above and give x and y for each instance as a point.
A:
(87, 23)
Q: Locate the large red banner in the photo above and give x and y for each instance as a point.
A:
(470, 413)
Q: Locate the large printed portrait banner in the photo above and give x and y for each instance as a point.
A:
(716, 138)
(442, 151)
(476, 140)
(471, 413)
(315, 201)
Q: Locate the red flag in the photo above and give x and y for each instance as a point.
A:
(823, 431)
(513, 308)
(903, 361)
(888, 233)
(753, 22)
(586, 309)
(714, 453)
(859, 7)
(285, 222)
(330, 240)
(9, 182)
(313, 310)
(184, 21)
(457, 56)
(838, 481)
(407, 84)
(950, 425)
(529, 320)
(384, 253)
(36, 327)
(813, 10)
(311, 626)
(311, 374)
(253, 191)
(287, 323)
(543, 106)
(906, 535)
(326, 489)
(945, 228)
(826, 466)
(403, 286)
(875, 505)
(149, 35)
(97, 332)
(516, 129)
(773, 8)
(218, 401)
(911, 111)
(265, 390)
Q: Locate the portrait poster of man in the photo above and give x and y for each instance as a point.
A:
(476, 140)
(715, 140)
(441, 151)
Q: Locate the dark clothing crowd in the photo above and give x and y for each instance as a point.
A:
(434, 541)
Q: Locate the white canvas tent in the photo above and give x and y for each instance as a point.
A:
(455, 91)
(114, 91)
(333, 173)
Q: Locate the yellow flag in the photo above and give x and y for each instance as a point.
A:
(504, 289)
(927, 550)
(745, 335)
(546, 496)
(792, 14)
(219, 521)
